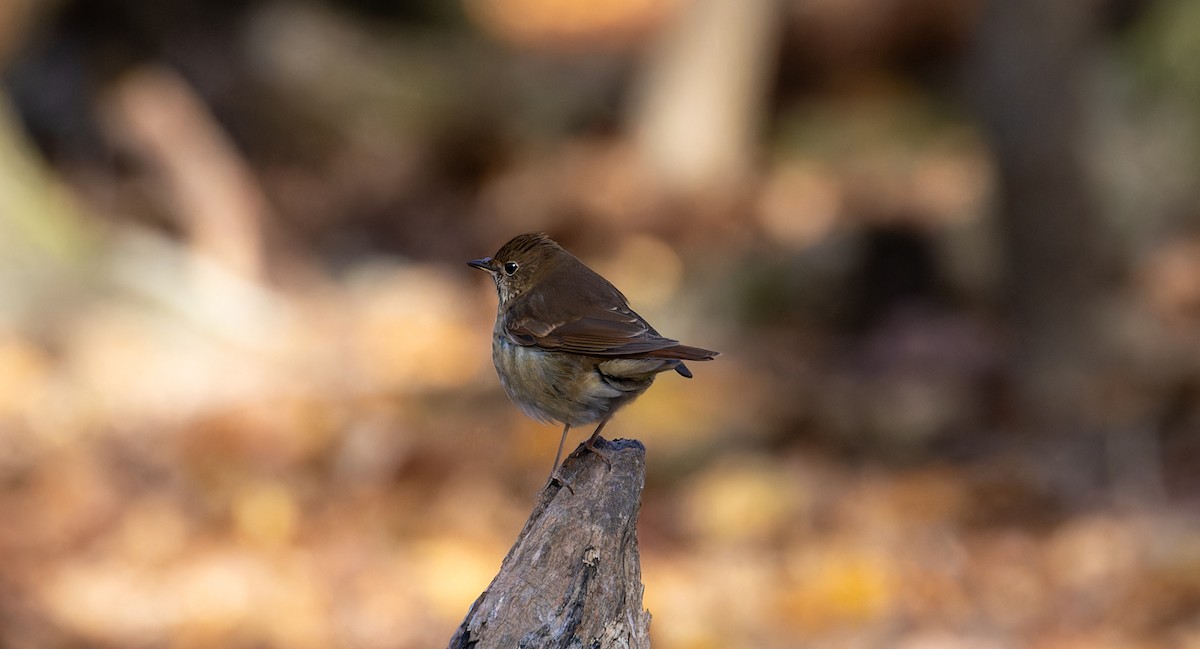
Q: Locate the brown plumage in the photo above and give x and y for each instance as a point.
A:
(566, 345)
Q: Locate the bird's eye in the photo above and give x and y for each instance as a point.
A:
(510, 267)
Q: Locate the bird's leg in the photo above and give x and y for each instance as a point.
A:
(557, 456)
(590, 443)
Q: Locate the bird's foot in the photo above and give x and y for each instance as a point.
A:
(590, 445)
(556, 477)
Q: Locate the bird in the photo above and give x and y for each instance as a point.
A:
(566, 345)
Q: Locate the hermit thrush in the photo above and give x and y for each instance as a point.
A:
(566, 345)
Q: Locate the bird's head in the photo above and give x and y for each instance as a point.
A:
(520, 264)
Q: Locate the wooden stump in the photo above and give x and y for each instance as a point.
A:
(573, 578)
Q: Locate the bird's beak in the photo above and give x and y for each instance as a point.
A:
(481, 264)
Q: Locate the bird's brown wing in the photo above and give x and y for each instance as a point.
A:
(616, 332)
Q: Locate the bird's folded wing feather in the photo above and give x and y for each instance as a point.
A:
(602, 332)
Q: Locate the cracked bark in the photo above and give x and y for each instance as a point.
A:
(573, 578)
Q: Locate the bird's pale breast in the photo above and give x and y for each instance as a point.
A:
(569, 388)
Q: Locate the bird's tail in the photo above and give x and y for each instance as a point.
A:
(684, 353)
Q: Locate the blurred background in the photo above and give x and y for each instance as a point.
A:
(949, 249)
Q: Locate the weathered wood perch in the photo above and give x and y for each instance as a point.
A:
(573, 579)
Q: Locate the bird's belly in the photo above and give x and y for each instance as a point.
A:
(557, 386)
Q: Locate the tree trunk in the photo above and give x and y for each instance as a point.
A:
(1031, 67)
(701, 98)
(573, 578)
